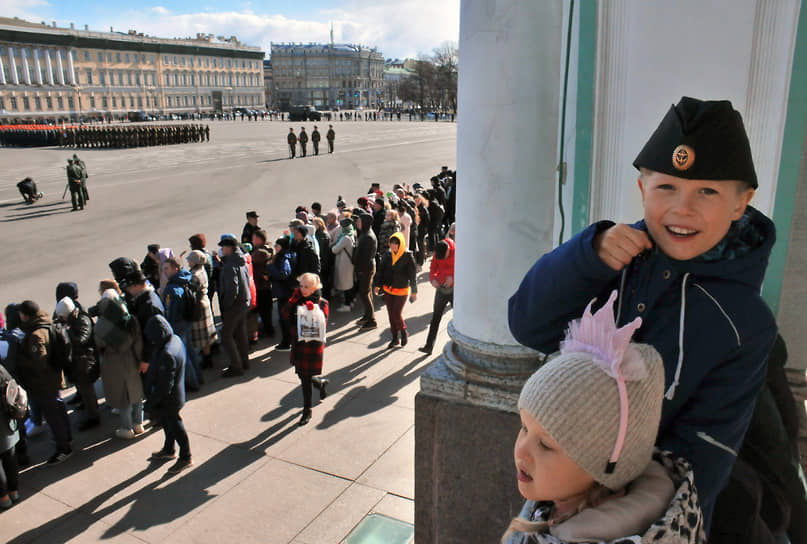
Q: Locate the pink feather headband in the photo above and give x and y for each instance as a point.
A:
(598, 335)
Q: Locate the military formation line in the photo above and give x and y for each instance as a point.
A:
(89, 136)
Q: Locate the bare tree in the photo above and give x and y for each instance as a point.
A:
(446, 64)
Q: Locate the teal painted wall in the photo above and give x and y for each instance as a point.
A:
(789, 164)
(586, 69)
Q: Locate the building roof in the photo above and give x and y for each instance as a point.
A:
(21, 31)
(315, 48)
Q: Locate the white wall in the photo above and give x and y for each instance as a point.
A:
(652, 53)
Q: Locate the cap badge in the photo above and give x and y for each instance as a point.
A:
(683, 157)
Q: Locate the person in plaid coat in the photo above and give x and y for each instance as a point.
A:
(306, 356)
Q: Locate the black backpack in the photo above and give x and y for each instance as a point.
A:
(192, 301)
(60, 349)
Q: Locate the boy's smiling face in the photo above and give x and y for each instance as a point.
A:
(686, 217)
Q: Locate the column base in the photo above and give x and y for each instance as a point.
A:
(465, 480)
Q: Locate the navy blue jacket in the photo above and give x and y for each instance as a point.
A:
(173, 297)
(166, 374)
(719, 350)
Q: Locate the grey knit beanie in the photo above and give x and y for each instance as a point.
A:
(577, 401)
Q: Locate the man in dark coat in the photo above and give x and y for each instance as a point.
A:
(307, 258)
(292, 140)
(303, 141)
(83, 364)
(364, 266)
(330, 136)
(250, 227)
(379, 215)
(141, 299)
(167, 396)
(315, 137)
(39, 377)
(261, 255)
(151, 265)
(234, 302)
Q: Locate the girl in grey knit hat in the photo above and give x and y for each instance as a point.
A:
(585, 457)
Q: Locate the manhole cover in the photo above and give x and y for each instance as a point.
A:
(379, 529)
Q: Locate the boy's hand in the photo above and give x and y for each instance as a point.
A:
(618, 245)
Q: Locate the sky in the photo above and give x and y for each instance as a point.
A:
(400, 28)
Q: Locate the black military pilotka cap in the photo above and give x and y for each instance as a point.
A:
(700, 139)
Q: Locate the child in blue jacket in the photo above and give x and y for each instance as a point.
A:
(692, 270)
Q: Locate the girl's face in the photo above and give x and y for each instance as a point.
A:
(544, 471)
(307, 287)
(394, 246)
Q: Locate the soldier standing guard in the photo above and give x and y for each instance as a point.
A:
(83, 168)
(315, 140)
(74, 183)
(330, 136)
(303, 140)
(207, 132)
(292, 139)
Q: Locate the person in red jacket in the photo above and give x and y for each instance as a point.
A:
(441, 276)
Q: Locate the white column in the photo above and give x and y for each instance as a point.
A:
(60, 66)
(508, 87)
(25, 73)
(38, 67)
(14, 77)
(70, 67)
(2, 74)
(49, 66)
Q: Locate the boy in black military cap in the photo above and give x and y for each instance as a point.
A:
(250, 227)
(692, 270)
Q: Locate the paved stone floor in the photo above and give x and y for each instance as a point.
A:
(258, 477)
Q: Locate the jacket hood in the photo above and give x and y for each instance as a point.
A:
(366, 222)
(183, 276)
(39, 321)
(158, 330)
(236, 259)
(398, 237)
(741, 256)
(450, 243)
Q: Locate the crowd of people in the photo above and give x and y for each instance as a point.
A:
(151, 334)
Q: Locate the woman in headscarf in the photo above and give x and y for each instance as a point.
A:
(343, 268)
(203, 330)
(397, 278)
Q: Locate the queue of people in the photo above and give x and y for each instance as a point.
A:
(151, 334)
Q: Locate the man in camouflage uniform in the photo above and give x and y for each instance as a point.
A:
(74, 183)
(303, 141)
(83, 168)
(292, 140)
(330, 136)
(315, 137)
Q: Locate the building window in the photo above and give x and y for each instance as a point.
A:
(117, 57)
(137, 78)
(129, 77)
(38, 103)
(140, 102)
(2, 103)
(13, 101)
(186, 101)
(102, 77)
(151, 59)
(131, 102)
(89, 77)
(168, 101)
(59, 102)
(100, 57)
(86, 55)
(229, 63)
(127, 57)
(182, 61)
(71, 103)
(114, 101)
(194, 99)
(92, 102)
(26, 103)
(48, 103)
(175, 60)
(184, 80)
(165, 59)
(109, 57)
(167, 80)
(104, 102)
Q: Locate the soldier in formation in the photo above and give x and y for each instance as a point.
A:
(330, 136)
(303, 141)
(292, 140)
(315, 140)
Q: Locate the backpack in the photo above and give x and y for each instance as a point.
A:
(311, 323)
(192, 301)
(60, 349)
(13, 399)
